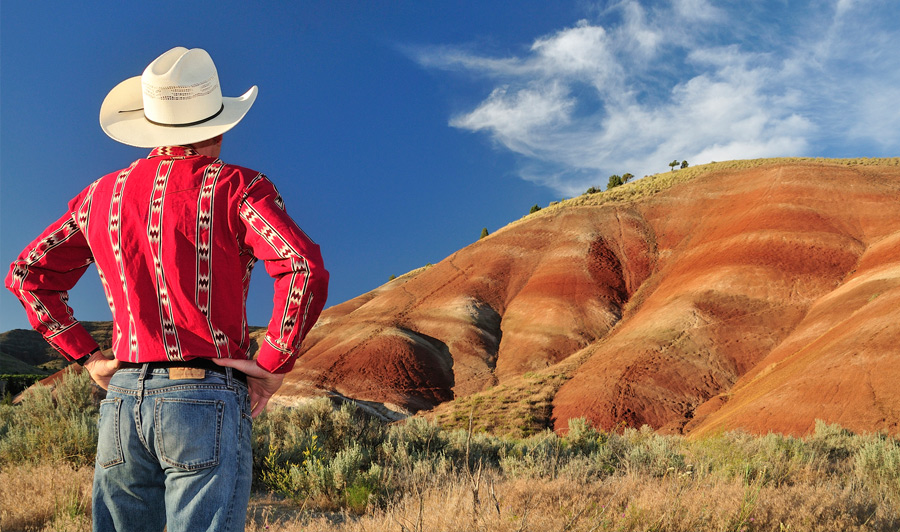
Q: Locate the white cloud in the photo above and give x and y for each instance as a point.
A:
(521, 119)
(700, 10)
(668, 83)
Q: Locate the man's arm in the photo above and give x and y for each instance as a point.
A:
(295, 263)
(41, 278)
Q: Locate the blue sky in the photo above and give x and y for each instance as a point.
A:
(396, 130)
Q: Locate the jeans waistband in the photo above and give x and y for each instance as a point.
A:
(197, 363)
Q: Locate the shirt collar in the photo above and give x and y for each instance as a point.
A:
(173, 152)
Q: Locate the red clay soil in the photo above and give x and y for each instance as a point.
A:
(760, 299)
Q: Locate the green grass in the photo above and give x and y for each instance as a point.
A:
(653, 184)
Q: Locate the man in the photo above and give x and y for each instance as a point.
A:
(174, 238)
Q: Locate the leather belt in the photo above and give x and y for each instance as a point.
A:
(194, 363)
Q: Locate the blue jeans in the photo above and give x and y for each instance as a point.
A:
(173, 453)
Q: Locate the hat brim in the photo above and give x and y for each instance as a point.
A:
(122, 118)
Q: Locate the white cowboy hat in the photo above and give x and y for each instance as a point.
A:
(176, 101)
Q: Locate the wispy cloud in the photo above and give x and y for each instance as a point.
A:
(639, 86)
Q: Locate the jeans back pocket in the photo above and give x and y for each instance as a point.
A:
(109, 441)
(188, 432)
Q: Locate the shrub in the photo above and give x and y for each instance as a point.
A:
(646, 452)
(877, 465)
(16, 384)
(52, 423)
(318, 451)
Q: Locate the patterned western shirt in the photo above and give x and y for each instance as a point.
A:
(175, 237)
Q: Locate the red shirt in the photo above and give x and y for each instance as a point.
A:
(175, 237)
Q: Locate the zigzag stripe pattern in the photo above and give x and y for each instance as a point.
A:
(154, 236)
(84, 210)
(21, 269)
(205, 205)
(172, 152)
(298, 281)
(115, 240)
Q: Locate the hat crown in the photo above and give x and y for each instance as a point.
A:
(181, 87)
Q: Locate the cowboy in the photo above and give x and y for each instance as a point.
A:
(174, 238)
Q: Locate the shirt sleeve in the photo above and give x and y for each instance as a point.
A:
(294, 262)
(41, 278)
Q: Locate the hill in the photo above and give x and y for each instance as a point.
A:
(28, 347)
(755, 294)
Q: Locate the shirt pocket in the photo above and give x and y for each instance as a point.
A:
(109, 441)
(189, 432)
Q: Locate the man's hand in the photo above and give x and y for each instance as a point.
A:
(262, 384)
(101, 368)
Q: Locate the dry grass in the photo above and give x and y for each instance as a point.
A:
(59, 500)
(681, 500)
(47, 497)
(520, 408)
(652, 184)
(628, 502)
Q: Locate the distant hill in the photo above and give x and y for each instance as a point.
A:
(14, 366)
(759, 295)
(29, 347)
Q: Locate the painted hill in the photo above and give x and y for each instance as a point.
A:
(759, 295)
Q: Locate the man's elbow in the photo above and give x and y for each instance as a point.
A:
(320, 278)
(12, 277)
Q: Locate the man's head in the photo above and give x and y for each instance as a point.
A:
(177, 100)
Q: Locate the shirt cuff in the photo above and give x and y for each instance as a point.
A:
(273, 360)
(74, 342)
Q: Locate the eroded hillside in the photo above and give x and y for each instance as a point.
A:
(761, 297)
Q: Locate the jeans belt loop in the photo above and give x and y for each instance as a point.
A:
(145, 368)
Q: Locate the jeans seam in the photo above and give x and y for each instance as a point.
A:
(230, 515)
(140, 394)
(168, 389)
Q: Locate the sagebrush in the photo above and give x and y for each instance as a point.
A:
(319, 466)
